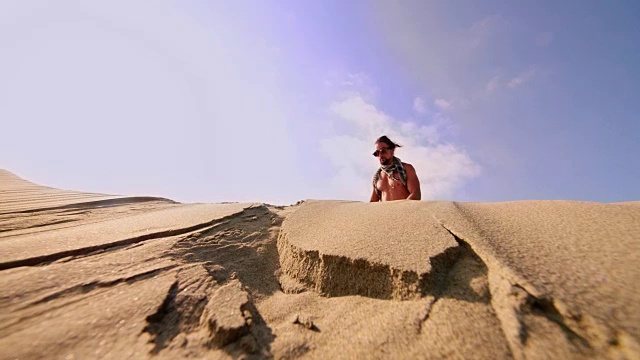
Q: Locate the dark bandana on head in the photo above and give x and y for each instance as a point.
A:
(396, 165)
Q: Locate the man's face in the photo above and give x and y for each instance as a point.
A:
(385, 154)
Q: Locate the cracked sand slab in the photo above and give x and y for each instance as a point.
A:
(577, 261)
(385, 250)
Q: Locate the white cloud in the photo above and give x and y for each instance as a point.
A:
(498, 82)
(358, 111)
(544, 38)
(419, 106)
(442, 104)
(442, 167)
(338, 81)
(481, 31)
(357, 79)
(494, 84)
(522, 78)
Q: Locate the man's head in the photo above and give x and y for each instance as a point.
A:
(385, 149)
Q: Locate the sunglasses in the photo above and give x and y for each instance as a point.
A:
(381, 151)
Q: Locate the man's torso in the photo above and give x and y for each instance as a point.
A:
(391, 188)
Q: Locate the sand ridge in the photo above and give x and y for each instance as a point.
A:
(98, 276)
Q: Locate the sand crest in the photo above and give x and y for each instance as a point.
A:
(101, 276)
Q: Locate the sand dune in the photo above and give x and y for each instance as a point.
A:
(98, 276)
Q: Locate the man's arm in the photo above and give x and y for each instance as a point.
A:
(413, 184)
(374, 196)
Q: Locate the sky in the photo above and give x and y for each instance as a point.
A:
(280, 101)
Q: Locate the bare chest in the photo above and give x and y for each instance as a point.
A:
(388, 183)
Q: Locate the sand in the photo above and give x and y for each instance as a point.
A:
(95, 276)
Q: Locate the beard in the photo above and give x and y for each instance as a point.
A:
(385, 161)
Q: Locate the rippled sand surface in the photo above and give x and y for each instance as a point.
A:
(100, 276)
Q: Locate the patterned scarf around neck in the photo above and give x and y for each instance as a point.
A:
(396, 165)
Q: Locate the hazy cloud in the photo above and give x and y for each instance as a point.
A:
(482, 30)
(494, 83)
(143, 77)
(544, 38)
(419, 106)
(344, 82)
(499, 81)
(442, 104)
(522, 78)
(357, 79)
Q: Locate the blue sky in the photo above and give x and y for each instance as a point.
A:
(204, 101)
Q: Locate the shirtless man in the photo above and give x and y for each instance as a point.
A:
(394, 180)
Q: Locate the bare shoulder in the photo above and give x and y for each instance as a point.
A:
(409, 168)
